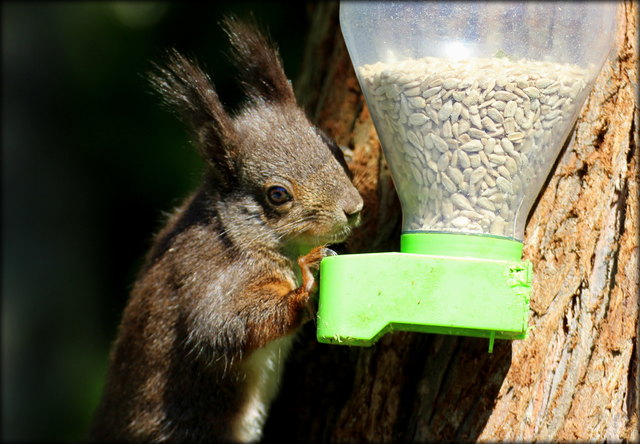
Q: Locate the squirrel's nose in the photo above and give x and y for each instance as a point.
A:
(352, 208)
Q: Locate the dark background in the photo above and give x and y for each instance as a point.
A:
(90, 163)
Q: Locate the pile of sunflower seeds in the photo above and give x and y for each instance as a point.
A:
(466, 139)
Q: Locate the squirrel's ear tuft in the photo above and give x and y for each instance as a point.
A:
(258, 61)
(189, 92)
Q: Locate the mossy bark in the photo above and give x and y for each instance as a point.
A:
(576, 376)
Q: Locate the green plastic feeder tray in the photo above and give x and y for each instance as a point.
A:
(454, 284)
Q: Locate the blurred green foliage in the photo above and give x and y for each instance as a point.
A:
(90, 162)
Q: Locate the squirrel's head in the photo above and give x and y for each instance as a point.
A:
(268, 162)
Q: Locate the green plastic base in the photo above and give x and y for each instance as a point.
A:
(470, 286)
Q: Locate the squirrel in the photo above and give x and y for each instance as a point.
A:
(231, 277)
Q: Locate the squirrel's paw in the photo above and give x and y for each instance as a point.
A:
(309, 263)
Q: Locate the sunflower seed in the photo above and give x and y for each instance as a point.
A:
(472, 146)
(461, 202)
(417, 119)
(417, 102)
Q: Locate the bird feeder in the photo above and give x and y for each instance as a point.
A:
(472, 102)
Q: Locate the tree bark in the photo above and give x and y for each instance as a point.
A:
(576, 375)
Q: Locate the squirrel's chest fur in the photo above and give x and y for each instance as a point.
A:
(264, 368)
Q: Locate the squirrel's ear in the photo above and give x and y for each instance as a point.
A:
(189, 92)
(258, 61)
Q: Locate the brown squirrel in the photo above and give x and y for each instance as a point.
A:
(230, 278)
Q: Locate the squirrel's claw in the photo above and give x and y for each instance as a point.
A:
(328, 252)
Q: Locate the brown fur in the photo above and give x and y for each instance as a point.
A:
(221, 280)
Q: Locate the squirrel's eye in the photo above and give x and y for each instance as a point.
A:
(278, 195)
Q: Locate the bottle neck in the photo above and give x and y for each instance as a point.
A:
(461, 245)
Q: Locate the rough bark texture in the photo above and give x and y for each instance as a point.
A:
(576, 376)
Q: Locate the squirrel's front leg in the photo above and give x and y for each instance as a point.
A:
(283, 308)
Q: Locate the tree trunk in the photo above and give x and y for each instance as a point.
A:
(576, 376)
